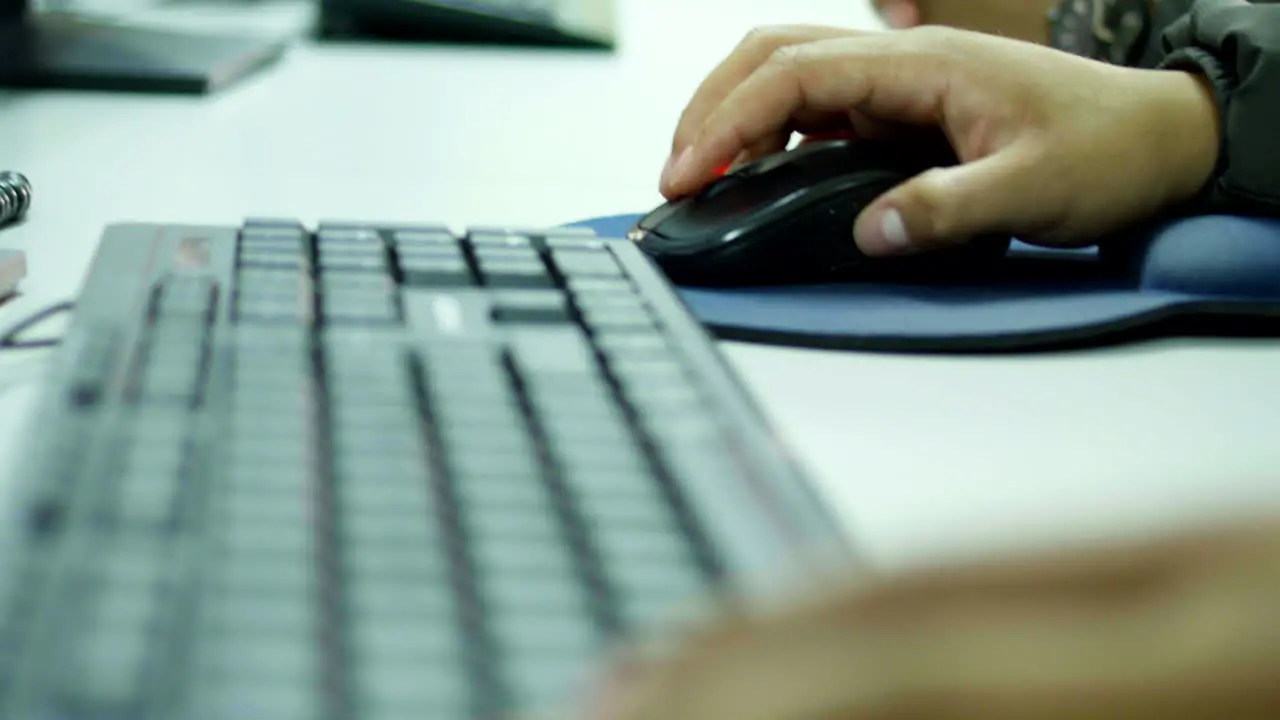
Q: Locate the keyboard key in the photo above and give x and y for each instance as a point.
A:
(561, 241)
(340, 263)
(530, 307)
(505, 253)
(533, 592)
(515, 273)
(93, 359)
(276, 280)
(287, 653)
(404, 529)
(283, 257)
(272, 224)
(558, 351)
(515, 521)
(279, 236)
(618, 319)
(367, 447)
(608, 299)
(579, 263)
(484, 242)
(411, 254)
(509, 438)
(516, 491)
(357, 283)
(265, 573)
(412, 690)
(107, 667)
(393, 598)
(567, 231)
(528, 634)
(491, 465)
(569, 411)
(496, 556)
(360, 308)
(430, 272)
(659, 372)
(245, 695)
(579, 285)
(282, 616)
(107, 658)
(400, 640)
(661, 542)
(276, 525)
(632, 485)
(170, 379)
(187, 298)
(347, 236)
(667, 583)
(380, 491)
(287, 312)
(630, 508)
(406, 240)
(495, 231)
(411, 567)
(147, 502)
(269, 247)
(583, 457)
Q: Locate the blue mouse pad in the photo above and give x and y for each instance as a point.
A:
(1202, 276)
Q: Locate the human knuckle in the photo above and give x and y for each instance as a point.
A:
(792, 59)
(764, 36)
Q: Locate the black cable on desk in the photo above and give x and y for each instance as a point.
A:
(8, 341)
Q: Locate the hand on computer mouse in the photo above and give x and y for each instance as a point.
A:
(1055, 149)
(1174, 628)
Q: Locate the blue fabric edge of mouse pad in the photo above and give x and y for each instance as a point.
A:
(1212, 276)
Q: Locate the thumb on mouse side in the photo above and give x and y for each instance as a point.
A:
(946, 206)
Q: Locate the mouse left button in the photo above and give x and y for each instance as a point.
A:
(658, 216)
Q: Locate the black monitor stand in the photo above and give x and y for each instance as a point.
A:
(68, 51)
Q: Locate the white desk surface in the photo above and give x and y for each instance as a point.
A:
(926, 458)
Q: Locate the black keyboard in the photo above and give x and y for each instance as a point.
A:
(375, 473)
(570, 23)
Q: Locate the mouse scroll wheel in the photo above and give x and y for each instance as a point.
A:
(724, 183)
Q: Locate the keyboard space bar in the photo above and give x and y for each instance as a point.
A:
(446, 314)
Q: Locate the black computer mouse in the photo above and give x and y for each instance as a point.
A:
(788, 219)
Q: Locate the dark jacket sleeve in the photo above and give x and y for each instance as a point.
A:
(1236, 46)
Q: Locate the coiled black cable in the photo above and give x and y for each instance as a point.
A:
(15, 196)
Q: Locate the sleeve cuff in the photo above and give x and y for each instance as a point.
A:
(1200, 62)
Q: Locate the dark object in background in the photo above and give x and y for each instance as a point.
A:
(587, 24)
(63, 50)
(15, 197)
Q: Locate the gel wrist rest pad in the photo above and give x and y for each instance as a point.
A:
(1201, 276)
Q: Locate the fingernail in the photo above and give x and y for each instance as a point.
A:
(900, 14)
(666, 169)
(677, 168)
(893, 231)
